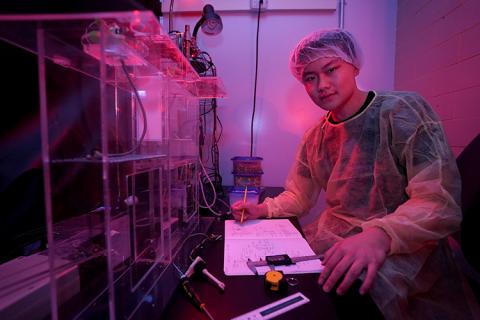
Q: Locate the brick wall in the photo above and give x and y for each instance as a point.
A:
(438, 55)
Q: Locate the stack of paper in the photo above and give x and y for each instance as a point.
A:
(255, 239)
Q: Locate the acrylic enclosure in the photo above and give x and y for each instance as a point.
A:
(119, 123)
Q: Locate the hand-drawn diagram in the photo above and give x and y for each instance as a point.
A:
(257, 240)
(261, 229)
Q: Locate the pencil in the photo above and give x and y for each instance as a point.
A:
(244, 203)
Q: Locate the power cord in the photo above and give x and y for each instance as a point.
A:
(256, 73)
(209, 120)
(142, 109)
(208, 205)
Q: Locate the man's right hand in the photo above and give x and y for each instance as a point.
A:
(250, 211)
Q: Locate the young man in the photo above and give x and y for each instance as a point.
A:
(391, 182)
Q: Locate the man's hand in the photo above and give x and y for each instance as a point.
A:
(250, 211)
(349, 257)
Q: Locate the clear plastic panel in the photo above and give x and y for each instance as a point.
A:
(183, 126)
(184, 201)
(120, 116)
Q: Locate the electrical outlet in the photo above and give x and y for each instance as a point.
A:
(255, 3)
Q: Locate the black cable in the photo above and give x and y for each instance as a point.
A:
(204, 59)
(142, 109)
(221, 129)
(210, 237)
(256, 72)
(206, 112)
(214, 151)
(170, 16)
(218, 177)
(214, 138)
(214, 170)
(208, 115)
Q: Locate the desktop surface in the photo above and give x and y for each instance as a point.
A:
(244, 293)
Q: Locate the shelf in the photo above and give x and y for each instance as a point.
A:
(112, 159)
(134, 38)
(210, 87)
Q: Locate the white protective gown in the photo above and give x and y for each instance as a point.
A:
(388, 167)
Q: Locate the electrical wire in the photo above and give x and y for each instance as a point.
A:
(210, 237)
(170, 22)
(211, 130)
(85, 40)
(256, 73)
(202, 58)
(144, 115)
(191, 236)
(211, 184)
(208, 205)
(206, 117)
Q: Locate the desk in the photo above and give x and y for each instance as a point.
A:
(244, 293)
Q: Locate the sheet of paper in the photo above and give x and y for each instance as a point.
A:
(255, 239)
(261, 229)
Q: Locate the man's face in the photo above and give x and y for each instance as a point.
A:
(330, 82)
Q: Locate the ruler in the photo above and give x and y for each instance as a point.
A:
(276, 308)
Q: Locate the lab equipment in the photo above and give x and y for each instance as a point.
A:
(251, 195)
(199, 266)
(119, 125)
(275, 281)
(247, 171)
(187, 288)
(247, 164)
(247, 179)
(275, 308)
(279, 260)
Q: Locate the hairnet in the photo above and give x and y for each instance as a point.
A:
(325, 43)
